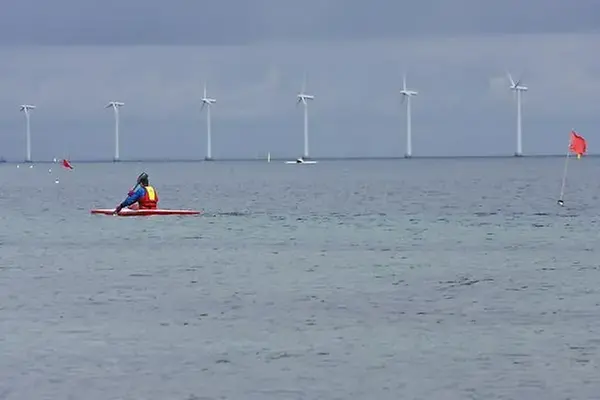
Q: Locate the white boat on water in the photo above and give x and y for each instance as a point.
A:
(301, 160)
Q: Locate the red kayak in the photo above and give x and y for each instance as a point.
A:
(127, 212)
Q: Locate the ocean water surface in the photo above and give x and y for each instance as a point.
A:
(409, 279)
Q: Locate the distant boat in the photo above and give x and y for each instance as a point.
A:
(301, 160)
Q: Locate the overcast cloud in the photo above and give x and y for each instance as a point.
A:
(70, 57)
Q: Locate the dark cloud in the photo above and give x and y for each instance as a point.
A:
(227, 22)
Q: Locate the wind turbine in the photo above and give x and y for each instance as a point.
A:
(115, 105)
(25, 109)
(207, 101)
(408, 94)
(303, 98)
(518, 88)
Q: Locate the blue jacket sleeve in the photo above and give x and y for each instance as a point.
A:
(138, 194)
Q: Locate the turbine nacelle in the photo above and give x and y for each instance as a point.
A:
(405, 92)
(207, 101)
(304, 97)
(519, 88)
(26, 107)
(516, 85)
(114, 104)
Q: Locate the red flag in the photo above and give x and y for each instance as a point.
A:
(67, 164)
(578, 144)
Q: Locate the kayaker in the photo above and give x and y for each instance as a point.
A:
(144, 197)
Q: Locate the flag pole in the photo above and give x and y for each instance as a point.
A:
(579, 153)
(564, 179)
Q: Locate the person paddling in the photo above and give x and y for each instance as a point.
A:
(142, 196)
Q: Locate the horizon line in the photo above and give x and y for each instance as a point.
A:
(264, 159)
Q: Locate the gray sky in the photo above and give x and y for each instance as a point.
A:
(69, 57)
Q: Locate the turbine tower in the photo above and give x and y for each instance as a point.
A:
(518, 88)
(408, 94)
(25, 109)
(207, 101)
(115, 105)
(303, 98)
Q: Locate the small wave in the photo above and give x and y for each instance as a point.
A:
(233, 214)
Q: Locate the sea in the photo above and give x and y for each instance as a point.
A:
(392, 279)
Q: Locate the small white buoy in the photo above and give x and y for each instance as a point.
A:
(54, 159)
(50, 170)
(18, 165)
(31, 166)
(56, 181)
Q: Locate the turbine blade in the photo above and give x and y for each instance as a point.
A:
(512, 82)
(404, 81)
(520, 80)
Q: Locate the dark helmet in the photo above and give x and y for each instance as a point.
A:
(143, 179)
